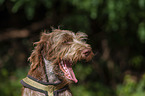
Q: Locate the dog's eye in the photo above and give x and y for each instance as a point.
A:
(65, 42)
(84, 40)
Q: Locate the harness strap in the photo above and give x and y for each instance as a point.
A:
(49, 89)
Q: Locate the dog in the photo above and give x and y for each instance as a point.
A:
(51, 63)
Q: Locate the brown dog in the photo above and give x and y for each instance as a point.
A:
(51, 63)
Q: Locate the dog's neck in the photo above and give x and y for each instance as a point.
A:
(50, 75)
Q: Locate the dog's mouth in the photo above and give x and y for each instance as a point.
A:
(66, 67)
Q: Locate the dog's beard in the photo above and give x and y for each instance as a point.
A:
(66, 67)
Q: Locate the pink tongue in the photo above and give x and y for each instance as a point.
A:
(68, 71)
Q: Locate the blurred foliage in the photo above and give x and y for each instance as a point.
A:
(116, 32)
(141, 32)
(89, 87)
(29, 6)
(131, 87)
(10, 85)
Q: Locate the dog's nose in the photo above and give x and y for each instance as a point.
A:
(86, 52)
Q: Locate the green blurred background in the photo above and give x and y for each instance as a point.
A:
(116, 30)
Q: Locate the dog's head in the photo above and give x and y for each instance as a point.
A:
(63, 48)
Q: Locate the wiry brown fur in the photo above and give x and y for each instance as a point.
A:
(54, 47)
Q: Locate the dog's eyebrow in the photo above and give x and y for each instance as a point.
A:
(77, 41)
(81, 35)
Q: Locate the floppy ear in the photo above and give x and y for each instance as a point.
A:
(36, 57)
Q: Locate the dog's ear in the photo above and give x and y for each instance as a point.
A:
(39, 51)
